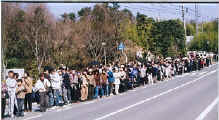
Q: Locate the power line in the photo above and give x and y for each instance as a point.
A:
(150, 9)
(169, 9)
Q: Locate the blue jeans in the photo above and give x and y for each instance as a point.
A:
(64, 95)
(51, 99)
(57, 97)
(69, 94)
(106, 90)
(20, 103)
(111, 87)
(97, 91)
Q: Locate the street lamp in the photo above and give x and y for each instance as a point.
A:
(207, 45)
(104, 44)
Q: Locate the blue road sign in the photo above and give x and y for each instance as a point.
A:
(121, 46)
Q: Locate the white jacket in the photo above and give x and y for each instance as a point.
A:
(11, 84)
(55, 81)
(143, 72)
(42, 86)
(123, 75)
(117, 76)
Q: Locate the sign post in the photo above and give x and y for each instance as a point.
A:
(104, 45)
(122, 47)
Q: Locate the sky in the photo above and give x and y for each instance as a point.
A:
(161, 11)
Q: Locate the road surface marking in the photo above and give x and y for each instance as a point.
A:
(201, 73)
(207, 110)
(29, 118)
(151, 98)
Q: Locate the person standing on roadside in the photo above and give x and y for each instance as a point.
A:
(42, 86)
(98, 84)
(28, 82)
(117, 76)
(149, 74)
(50, 91)
(123, 79)
(91, 84)
(75, 86)
(56, 86)
(66, 85)
(70, 73)
(4, 96)
(111, 80)
(61, 89)
(20, 94)
(143, 74)
(11, 86)
(84, 86)
(105, 83)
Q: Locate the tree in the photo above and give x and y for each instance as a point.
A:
(38, 33)
(66, 17)
(207, 40)
(190, 30)
(72, 16)
(167, 34)
(144, 26)
(33, 38)
(96, 31)
(14, 47)
(84, 11)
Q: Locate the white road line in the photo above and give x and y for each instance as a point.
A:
(201, 73)
(207, 110)
(151, 98)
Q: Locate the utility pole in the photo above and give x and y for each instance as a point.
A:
(183, 18)
(159, 15)
(202, 25)
(196, 18)
(104, 45)
(218, 28)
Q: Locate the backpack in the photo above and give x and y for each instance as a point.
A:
(110, 77)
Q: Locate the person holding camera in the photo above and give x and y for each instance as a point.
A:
(20, 94)
(42, 85)
(28, 82)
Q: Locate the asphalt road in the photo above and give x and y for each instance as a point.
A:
(191, 96)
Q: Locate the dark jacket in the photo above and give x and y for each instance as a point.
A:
(66, 80)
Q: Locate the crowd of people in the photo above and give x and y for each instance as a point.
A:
(58, 87)
(18, 92)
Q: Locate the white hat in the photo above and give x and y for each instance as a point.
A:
(84, 72)
(100, 70)
(90, 70)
